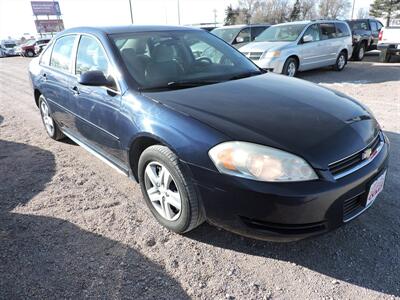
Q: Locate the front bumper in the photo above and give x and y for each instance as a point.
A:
(274, 64)
(390, 48)
(284, 211)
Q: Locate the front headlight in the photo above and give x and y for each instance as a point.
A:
(260, 163)
(271, 54)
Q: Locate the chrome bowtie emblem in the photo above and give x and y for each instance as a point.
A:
(366, 153)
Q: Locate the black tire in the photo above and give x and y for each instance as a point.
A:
(30, 53)
(358, 55)
(56, 133)
(191, 214)
(290, 62)
(339, 65)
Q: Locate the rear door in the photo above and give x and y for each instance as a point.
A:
(97, 108)
(56, 78)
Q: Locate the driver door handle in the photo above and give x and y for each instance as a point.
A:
(75, 91)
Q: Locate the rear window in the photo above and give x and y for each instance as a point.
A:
(328, 31)
(342, 30)
(358, 25)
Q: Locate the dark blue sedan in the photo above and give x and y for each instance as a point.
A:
(209, 135)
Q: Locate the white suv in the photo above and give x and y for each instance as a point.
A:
(299, 46)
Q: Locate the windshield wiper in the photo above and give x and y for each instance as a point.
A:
(180, 85)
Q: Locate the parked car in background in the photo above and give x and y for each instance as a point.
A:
(365, 34)
(28, 49)
(212, 137)
(239, 35)
(8, 48)
(389, 42)
(40, 45)
(298, 46)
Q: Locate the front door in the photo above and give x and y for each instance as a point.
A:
(310, 49)
(97, 108)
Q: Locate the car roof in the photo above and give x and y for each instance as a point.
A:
(243, 26)
(126, 29)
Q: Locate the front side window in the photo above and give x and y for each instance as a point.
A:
(243, 36)
(256, 31)
(167, 58)
(374, 27)
(62, 53)
(227, 34)
(90, 57)
(45, 58)
(342, 30)
(281, 33)
(328, 31)
(312, 32)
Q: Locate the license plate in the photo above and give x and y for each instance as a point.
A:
(375, 189)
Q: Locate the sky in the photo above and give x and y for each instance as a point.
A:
(16, 16)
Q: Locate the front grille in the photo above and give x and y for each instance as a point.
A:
(348, 163)
(284, 228)
(353, 206)
(253, 55)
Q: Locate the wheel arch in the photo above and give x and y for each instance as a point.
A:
(37, 95)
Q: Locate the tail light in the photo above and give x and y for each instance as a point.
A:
(380, 35)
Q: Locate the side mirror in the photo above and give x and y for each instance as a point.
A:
(239, 39)
(307, 38)
(93, 78)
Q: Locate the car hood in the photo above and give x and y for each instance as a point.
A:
(316, 123)
(263, 46)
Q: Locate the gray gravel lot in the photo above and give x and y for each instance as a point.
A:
(71, 227)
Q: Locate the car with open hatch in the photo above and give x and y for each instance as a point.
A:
(210, 136)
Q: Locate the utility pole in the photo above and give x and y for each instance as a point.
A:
(352, 9)
(215, 17)
(130, 9)
(179, 13)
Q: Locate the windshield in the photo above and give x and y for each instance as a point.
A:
(281, 33)
(9, 45)
(181, 59)
(227, 34)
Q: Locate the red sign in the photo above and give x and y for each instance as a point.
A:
(46, 8)
(46, 26)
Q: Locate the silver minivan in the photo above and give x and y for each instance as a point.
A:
(298, 46)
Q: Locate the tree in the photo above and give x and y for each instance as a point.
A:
(332, 9)
(295, 14)
(230, 15)
(307, 9)
(362, 13)
(385, 9)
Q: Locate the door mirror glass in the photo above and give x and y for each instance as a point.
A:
(94, 78)
(308, 38)
(239, 39)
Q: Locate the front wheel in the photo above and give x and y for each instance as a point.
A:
(290, 67)
(341, 62)
(168, 190)
(30, 53)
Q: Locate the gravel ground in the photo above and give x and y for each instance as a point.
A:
(72, 227)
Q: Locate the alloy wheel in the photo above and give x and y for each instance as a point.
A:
(162, 191)
(47, 119)
(361, 53)
(291, 69)
(341, 61)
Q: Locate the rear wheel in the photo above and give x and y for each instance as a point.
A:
(51, 127)
(168, 191)
(290, 67)
(341, 61)
(359, 54)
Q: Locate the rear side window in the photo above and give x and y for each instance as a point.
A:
(358, 25)
(374, 26)
(342, 30)
(91, 56)
(45, 58)
(62, 53)
(328, 31)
